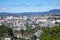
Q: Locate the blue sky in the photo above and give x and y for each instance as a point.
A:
(16, 6)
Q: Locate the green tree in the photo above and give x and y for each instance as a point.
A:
(50, 33)
(5, 30)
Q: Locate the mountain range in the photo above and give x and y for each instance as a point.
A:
(53, 11)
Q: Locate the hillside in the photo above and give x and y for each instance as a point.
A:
(53, 11)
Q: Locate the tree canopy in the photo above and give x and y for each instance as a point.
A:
(50, 33)
(6, 30)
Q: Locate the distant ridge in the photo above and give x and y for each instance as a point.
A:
(53, 11)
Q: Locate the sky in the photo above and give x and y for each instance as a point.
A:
(18, 6)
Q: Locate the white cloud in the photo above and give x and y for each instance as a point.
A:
(19, 5)
(3, 9)
(39, 5)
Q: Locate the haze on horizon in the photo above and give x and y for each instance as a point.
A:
(18, 6)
